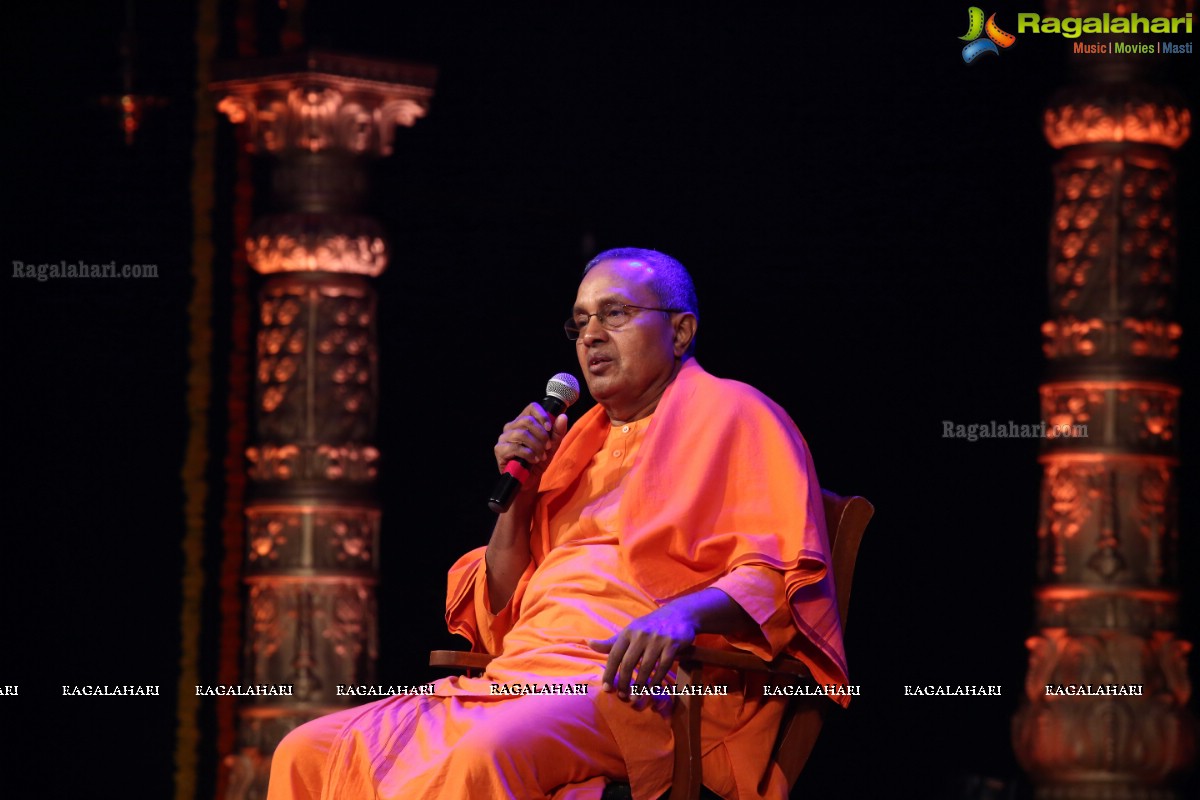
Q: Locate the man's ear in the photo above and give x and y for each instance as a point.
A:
(685, 331)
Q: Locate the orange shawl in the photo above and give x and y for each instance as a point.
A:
(723, 479)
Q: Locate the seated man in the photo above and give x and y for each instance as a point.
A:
(681, 508)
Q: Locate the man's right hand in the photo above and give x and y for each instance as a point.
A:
(532, 436)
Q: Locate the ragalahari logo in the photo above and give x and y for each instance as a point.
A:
(976, 27)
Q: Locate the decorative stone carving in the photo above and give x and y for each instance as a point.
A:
(1142, 416)
(1117, 113)
(282, 538)
(313, 527)
(1112, 239)
(313, 634)
(348, 463)
(316, 381)
(1114, 746)
(1108, 602)
(1068, 337)
(1098, 198)
(1107, 522)
(317, 242)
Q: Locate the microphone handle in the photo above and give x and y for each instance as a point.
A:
(517, 470)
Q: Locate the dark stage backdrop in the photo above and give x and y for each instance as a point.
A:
(866, 218)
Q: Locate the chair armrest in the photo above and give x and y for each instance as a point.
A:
(459, 659)
(732, 659)
(736, 659)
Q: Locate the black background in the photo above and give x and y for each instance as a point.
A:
(866, 220)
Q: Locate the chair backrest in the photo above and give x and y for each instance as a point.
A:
(846, 519)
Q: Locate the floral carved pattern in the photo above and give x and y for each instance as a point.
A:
(1155, 414)
(316, 383)
(1067, 496)
(317, 243)
(352, 538)
(1096, 200)
(268, 534)
(1141, 416)
(266, 625)
(1068, 337)
(283, 538)
(1108, 523)
(313, 635)
(348, 626)
(1070, 405)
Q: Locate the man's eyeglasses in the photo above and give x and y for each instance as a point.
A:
(611, 315)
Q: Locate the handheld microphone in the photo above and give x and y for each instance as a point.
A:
(561, 392)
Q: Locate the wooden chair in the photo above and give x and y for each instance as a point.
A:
(846, 518)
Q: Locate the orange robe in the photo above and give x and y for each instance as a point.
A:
(580, 585)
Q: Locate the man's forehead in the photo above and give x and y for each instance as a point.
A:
(601, 299)
(631, 266)
(616, 279)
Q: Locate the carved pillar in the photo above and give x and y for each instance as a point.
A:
(313, 523)
(1108, 595)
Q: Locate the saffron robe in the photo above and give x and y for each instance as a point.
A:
(582, 584)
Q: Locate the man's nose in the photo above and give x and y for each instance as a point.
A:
(593, 330)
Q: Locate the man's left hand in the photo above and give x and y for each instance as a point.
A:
(647, 646)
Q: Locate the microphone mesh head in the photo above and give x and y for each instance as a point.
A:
(564, 387)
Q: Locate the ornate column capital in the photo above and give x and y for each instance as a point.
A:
(321, 114)
(317, 100)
